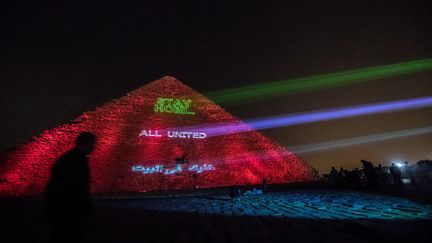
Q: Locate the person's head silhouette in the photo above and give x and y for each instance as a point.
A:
(86, 142)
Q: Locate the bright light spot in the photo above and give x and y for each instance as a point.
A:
(399, 164)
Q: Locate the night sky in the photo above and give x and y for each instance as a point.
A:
(60, 60)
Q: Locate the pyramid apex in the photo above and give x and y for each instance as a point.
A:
(167, 83)
(167, 79)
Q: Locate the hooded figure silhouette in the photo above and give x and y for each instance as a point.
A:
(67, 194)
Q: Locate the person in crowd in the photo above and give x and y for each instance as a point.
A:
(370, 175)
(410, 171)
(342, 177)
(356, 181)
(264, 185)
(334, 175)
(234, 194)
(380, 175)
(396, 174)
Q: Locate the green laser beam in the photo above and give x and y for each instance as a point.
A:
(291, 86)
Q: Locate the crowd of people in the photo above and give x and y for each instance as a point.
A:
(373, 177)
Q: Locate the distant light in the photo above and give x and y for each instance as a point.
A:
(399, 164)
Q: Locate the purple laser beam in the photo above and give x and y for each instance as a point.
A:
(314, 116)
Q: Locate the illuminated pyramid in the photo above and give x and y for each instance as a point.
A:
(135, 152)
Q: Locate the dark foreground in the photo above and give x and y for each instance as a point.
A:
(292, 216)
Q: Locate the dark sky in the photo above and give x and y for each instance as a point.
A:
(59, 60)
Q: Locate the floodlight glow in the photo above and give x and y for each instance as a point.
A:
(315, 116)
(399, 164)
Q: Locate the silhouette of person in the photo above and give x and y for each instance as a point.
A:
(342, 177)
(334, 176)
(370, 174)
(264, 185)
(396, 173)
(410, 171)
(234, 193)
(380, 174)
(356, 180)
(67, 195)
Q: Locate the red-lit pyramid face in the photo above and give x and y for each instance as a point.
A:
(142, 145)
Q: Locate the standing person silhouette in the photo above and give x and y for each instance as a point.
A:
(67, 195)
(396, 173)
